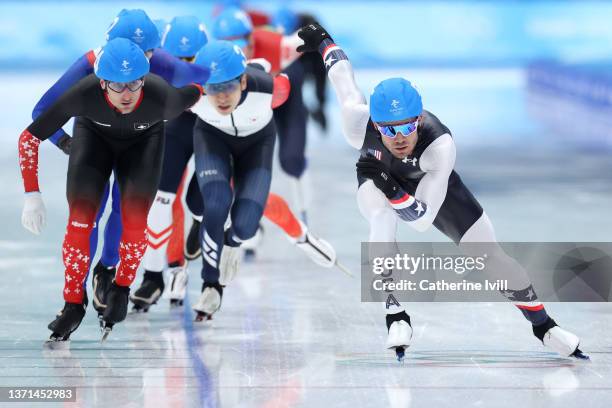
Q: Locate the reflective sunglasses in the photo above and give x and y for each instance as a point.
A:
(392, 131)
(119, 87)
(223, 87)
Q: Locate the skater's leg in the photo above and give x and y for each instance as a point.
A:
(138, 172)
(502, 266)
(381, 217)
(520, 290)
(104, 271)
(278, 212)
(212, 164)
(195, 205)
(319, 250)
(252, 178)
(194, 199)
(89, 168)
(93, 238)
(290, 121)
(174, 252)
(161, 218)
(112, 231)
(252, 188)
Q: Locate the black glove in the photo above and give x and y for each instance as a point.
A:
(371, 168)
(64, 143)
(318, 116)
(313, 35)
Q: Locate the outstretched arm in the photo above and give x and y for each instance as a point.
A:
(33, 217)
(355, 111)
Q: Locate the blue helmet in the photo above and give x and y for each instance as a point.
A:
(285, 19)
(134, 25)
(225, 60)
(121, 61)
(232, 24)
(184, 36)
(395, 99)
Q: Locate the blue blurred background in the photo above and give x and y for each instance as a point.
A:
(42, 34)
(559, 50)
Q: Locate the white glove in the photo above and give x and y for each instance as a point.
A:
(34, 215)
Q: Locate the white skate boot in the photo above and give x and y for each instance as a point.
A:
(562, 341)
(178, 285)
(318, 250)
(208, 302)
(229, 264)
(400, 333)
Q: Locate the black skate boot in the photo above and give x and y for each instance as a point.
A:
(102, 279)
(149, 291)
(68, 320)
(116, 307)
(209, 301)
(192, 243)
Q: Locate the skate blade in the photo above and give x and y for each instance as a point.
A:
(343, 269)
(202, 317)
(176, 303)
(400, 353)
(136, 309)
(249, 255)
(106, 330)
(57, 342)
(578, 354)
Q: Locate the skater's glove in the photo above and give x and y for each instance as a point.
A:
(312, 35)
(34, 216)
(371, 168)
(64, 143)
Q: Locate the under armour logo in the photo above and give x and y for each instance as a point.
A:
(395, 103)
(141, 126)
(406, 160)
(184, 40)
(213, 66)
(138, 32)
(125, 64)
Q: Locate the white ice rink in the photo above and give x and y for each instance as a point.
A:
(291, 334)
